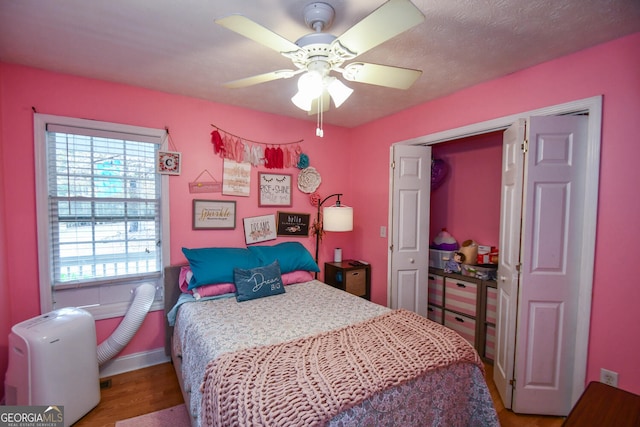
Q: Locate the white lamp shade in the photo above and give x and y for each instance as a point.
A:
(309, 88)
(337, 218)
(310, 83)
(339, 91)
(302, 101)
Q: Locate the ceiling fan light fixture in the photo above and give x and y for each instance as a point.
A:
(310, 83)
(317, 54)
(302, 101)
(339, 91)
(310, 87)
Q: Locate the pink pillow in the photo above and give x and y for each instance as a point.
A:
(215, 289)
(297, 276)
(183, 280)
(202, 291)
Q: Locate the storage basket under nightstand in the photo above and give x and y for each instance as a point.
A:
(355, 279)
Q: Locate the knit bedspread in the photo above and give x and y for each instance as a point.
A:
(308, 381)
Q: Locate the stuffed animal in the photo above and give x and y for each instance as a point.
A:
(444, 241)
(453, 265)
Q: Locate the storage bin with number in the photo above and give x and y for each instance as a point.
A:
(465, 326)
(436, 289)
(461, 296)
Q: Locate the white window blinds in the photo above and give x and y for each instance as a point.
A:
(104, 205)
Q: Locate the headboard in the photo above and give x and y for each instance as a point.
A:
(171, 294)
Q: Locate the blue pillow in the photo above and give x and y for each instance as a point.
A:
(258, 282)
(215, 265)
(291, 256)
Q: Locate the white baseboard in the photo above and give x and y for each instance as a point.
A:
(131, 362)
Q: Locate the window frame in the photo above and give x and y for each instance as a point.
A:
(110, 298)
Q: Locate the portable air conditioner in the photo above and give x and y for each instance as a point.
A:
(53, 361)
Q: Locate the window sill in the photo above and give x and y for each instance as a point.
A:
(110, 311)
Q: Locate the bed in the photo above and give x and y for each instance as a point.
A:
(316, 355)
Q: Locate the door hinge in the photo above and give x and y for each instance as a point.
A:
(525, 146)
(391, 248)
(393, 165)
(512, 382)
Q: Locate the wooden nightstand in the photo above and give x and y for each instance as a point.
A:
(355, 279)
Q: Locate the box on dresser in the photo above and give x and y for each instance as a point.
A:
(438, 258)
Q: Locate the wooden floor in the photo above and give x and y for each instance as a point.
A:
(508, 418)
(135, 393)
(154, 388)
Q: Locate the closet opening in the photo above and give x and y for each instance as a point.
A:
(458, 144)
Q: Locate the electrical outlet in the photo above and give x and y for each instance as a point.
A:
(609, 377)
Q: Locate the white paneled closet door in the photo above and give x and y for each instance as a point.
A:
(411, 194)
(544, 175)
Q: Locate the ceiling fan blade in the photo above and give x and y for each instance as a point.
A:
(387, 21)
(256, 32)
(261, 78)
(381, 75)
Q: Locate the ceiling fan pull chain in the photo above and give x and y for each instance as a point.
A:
(319, 131)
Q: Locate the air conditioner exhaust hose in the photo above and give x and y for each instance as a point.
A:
(143, 298)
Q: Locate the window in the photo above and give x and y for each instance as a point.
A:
(101, 213)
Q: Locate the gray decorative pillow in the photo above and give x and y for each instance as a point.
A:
(258, 282)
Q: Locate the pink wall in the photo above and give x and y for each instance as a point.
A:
(189, 122)
(5, 302)
(612, 70)
(467, 203)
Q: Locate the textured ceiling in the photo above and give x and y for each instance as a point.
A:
(174, 46)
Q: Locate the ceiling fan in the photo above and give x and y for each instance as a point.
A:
(317, 54)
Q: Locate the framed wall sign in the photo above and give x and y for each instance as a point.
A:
(236, 178)
(259, 228)
(293, 224)
(169, 162)
(214, 215)
(275, 189)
